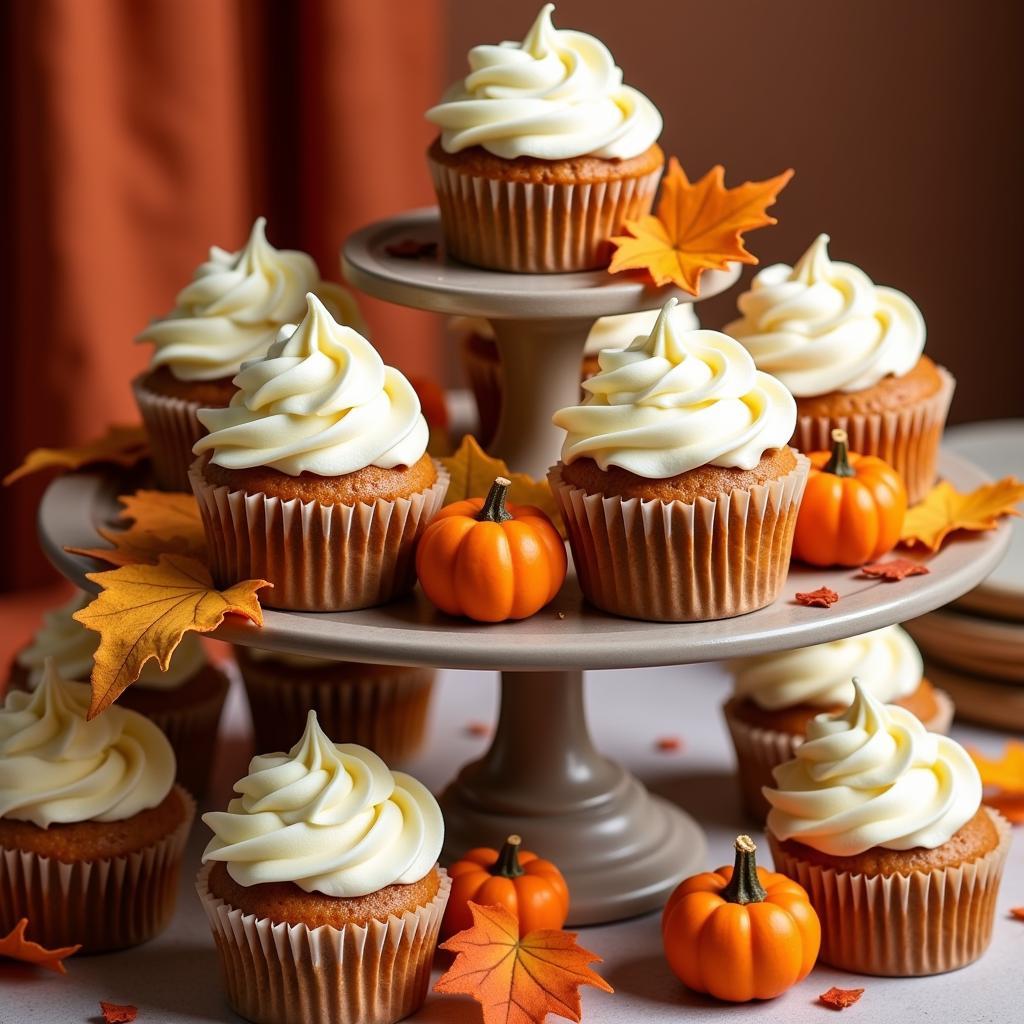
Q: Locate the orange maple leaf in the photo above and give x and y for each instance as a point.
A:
(122, 446)
(696, 227)
(15, 946)
(1003, 779)
(143, 612)
(946, 510)
(518, 980)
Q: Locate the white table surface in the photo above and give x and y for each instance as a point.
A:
(175, 978)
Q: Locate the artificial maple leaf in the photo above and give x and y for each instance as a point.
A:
(823, 597)
(122, 446)
(696, 227)
(1003, 779)
(895, 569)
(518, 980)
(946, 510)
(15, 946)
(840, 998)
(1017, 913)
(668, 744)
(118, 1013)
(143, 612)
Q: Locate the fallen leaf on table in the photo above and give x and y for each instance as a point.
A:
(668, 744)
(1003, 779)
(518, 981)
(122, 446)
(478, 729)
(895, 569)
(823, 597)
(118, 1013)
(144, 610)
(696, 227)
(946, 510)
(1017, 912)
(15, 946)
(840, 998)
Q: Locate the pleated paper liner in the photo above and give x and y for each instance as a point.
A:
(536, 228)
(319, 557)
(486, 381)
(927, 922)
(173, 428)
(759, 750)
(908, 439)
(678, 562)
(375, 973)
(380, 707)
(102, 904)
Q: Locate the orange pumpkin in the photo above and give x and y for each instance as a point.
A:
(852, 510)
(740, 933)
(528, 887)
(488, 562)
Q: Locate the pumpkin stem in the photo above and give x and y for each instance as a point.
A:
(744, 886)
(839, 463)
(494, 510)
(507, 865)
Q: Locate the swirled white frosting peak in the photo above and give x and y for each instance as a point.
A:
(556, 95)
(676, 400)
(321, 401)
(56, 767)
(885, 661)
(873, 776)
(822, 326)
(331, 818)
(234, 306)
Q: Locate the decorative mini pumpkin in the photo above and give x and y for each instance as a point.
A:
(740, 933)
(528, 887)
(488, 562)
(852, 510)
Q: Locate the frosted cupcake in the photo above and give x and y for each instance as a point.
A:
(851, 353)
(92, 826)
(230, 312)
(678, 492)
(881, 822)
(482, 361)
(383, 707)
(316, 476)
(322, 887)
(775, 696)
(544, 153)
(185, 702)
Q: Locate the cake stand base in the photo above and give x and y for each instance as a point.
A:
(621, 850)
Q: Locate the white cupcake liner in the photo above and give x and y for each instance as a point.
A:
(276, 973)
(173, 428)
(101, 904)
(677, 562)
(908, 439)
(927, 922)
(319, 557)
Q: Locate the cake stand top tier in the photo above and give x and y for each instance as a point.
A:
(444, 285)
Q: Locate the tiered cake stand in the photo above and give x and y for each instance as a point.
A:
(621, 848)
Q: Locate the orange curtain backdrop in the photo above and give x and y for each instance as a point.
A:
(146, 131)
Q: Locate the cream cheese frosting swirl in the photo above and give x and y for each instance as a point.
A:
(822, 326)
(73, 647)
(56, 767)
(321, 401)
(330, 818)
(873, 776)
(676, 400)
(234, 306)
(556, 95)
(886, 661)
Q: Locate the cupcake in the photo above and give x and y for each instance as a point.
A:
(383, 707)
(850, 352)
(881, 822)
(482, 361)
(775, 696)
(92, 825)
(185, 702)
(543, 154)
(676, 487)
(316, 476)
(322, 888)
(229, 313)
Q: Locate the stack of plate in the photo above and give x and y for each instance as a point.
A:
(974, 648)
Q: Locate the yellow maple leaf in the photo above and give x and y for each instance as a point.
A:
(122, 446)
(144, 610)
(946, 510)
(518, 980)
(696, 227)
(1003, 779)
